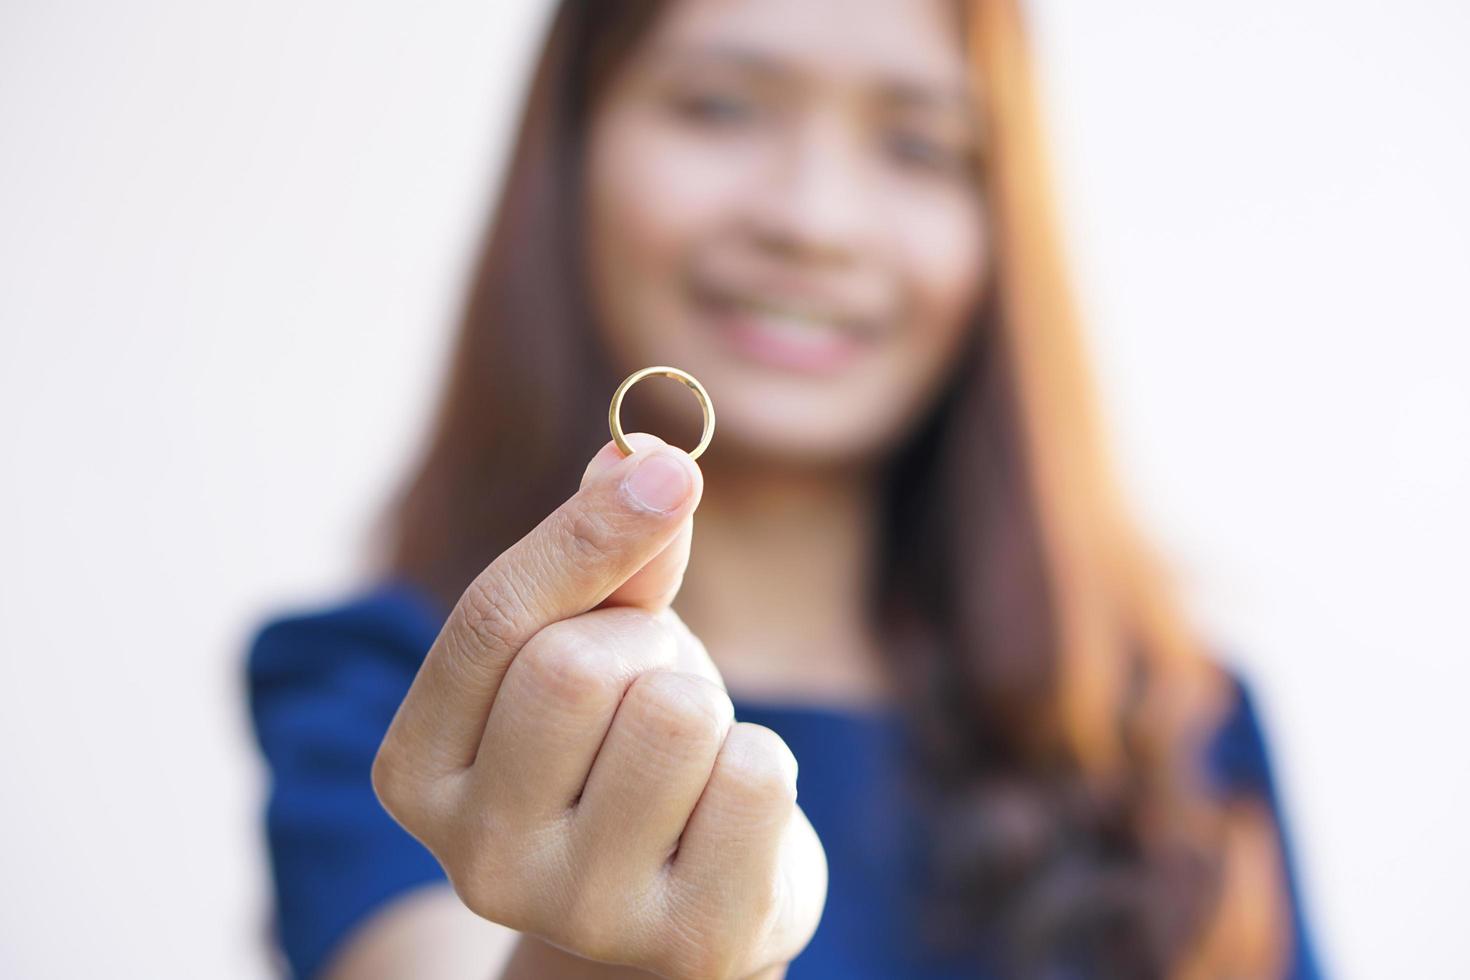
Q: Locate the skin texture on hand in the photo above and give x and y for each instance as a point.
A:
(570, 755)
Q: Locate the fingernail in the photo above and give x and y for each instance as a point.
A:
(658, 483)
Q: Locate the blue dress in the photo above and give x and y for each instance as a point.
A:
(324, 685)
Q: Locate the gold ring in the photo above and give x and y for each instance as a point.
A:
(615, 424)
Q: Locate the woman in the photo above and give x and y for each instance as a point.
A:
(915, 579)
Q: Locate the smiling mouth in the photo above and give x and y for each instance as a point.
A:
(793, 312)
(792, 334)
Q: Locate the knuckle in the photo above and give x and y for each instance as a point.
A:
(475, 893)
(566, 667)
(387, 783)
(491, 611)
(757, 767)
(399, 787)
(588, 537)
(488, 897)
(679, 706)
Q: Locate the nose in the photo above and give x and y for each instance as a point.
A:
(814, 202)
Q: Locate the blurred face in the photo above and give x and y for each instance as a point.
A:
(782, 201)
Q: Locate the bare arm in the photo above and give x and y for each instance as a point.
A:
(426, 933)
(429, 934)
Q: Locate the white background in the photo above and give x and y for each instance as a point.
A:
(232, 237)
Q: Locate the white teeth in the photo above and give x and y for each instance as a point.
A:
(798, 331)
(788, 317)
(796, 326)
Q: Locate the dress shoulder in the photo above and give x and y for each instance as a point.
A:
(1238, 759)
(1239, 763)
(323, 685)
(391, 616)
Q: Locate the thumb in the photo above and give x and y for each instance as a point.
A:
(653, 586)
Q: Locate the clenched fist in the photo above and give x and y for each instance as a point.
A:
(568, 751)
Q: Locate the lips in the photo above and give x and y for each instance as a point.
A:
(797, 333)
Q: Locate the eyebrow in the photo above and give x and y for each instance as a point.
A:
(899, 91)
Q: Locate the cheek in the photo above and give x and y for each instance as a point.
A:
(944, 250)
(650, 199)
(937, 250)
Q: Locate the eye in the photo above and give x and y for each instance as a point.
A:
(920, 151)
(715, 108)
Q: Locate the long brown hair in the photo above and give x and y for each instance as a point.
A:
(1059, 699)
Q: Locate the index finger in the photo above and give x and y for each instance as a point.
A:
(623, 516)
